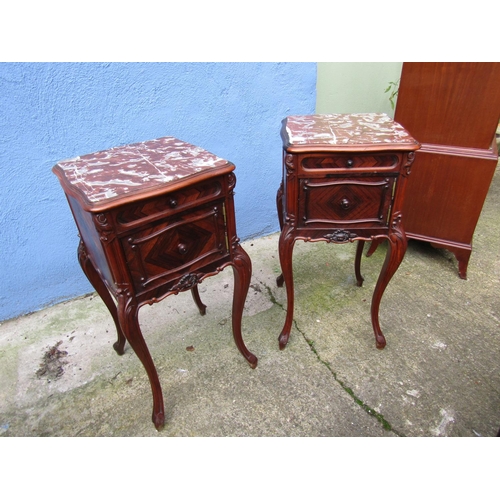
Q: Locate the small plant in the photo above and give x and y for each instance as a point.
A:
(393, 88)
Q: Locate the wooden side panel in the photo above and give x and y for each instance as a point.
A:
(92, 240)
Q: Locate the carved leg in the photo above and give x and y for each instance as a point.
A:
(279, 207)
(196, 297)
(357, 262)
(95, 279)
(242, 269)
(286, 243)
(128, 313)
(395, 253)
(373, 246)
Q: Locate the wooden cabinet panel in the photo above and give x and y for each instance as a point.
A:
(348, 202)
(455, 104)
(453, 109)
(456, 214)
(173, 247)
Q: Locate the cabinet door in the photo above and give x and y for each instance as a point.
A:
(444, 197)
(172, 247)
(454, 104)
(346, 202)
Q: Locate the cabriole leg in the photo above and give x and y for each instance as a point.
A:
(394, 256)
(242, 269)
(286, 244)
(128, 313)
(357, 262)
(95, 279)
(196, 297)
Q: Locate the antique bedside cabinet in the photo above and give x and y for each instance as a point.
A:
(344, 180)
(155, 219)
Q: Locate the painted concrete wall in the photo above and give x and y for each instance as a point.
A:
(355, 87)
(54, 111)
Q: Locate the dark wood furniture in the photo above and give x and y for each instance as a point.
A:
(344, 179)
(155, 219)
(453, 110)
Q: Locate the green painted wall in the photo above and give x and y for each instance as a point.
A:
(355, 87)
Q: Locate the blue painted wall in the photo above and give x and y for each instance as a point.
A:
(54, 111)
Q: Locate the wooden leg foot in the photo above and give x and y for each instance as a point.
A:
(283, 340)
(159, 419)
(242, 267)
(119, 346)
(380, 340)
(280, 280)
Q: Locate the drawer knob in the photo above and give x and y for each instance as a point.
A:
(345, 203)
(172, 202)
(350, 162)
(182, 248)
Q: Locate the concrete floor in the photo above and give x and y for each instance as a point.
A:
(438, 376)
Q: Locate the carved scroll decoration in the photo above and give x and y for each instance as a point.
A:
(409, 160)
(104, 228)
(231, 180)
(289, 164)
(187, 282)
(340, 236)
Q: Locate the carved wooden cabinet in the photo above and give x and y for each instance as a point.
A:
(343, 180)
(155, 219)
(453, 110)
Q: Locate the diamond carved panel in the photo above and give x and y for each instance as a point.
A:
(345, 201)
(178, 246)
(170, 248)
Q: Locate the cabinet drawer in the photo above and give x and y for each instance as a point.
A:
(174, 246)
(346, 201)
(347, 161)
(156, 208)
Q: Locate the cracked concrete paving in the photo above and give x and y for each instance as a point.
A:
(438, 375)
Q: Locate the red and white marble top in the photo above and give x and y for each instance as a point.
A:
(356, 129)
(127, 170)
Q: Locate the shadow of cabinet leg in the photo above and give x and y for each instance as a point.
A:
(96, 281)
(242, 269)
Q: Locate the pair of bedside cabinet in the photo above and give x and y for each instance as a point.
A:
(157, 218)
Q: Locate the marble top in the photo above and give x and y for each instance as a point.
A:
(356, 129)
(126, 170)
